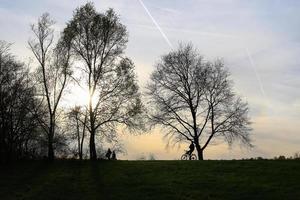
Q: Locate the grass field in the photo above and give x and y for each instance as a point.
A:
(151, 180)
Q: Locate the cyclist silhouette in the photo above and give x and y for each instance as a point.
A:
(192, 148)
(188, 155)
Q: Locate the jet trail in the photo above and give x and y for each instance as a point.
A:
(156, 24)
(171, 46)
(256, 74)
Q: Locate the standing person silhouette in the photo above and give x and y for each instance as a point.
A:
(113, 156)
(108, 153)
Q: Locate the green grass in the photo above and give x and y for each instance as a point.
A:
(151, 180)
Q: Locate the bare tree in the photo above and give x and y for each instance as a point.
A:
(79, 120)
(193, 100)
(53, 71)
(98, 40)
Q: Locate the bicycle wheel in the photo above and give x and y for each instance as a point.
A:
(184, 157)
(193, 157)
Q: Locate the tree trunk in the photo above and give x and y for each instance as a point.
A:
(81, 147)
(93, 153)
(78, 138)
(50, 142)
(50, 148)
(80, 155)
(199, 151)
(82, 139)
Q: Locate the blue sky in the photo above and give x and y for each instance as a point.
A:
(259, 41)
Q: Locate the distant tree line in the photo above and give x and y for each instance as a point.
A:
(192, 99)
(296, 156)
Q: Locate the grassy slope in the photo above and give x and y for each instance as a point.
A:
(151, 180)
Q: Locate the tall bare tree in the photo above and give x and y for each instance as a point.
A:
(98, 40)
(53, 71)
(79, 121)
(193, 100)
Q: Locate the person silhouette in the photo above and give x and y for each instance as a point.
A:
(113, 156)
(108, 153)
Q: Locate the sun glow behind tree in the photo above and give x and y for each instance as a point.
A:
(78, 96)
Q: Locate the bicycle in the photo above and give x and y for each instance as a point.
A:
(187, 156)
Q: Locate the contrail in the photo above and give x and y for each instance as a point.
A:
(169, 43)
(156, 24)
(256, 74)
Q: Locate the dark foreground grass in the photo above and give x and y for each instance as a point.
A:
(151, 180)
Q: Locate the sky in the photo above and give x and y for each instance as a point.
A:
(258, 40)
